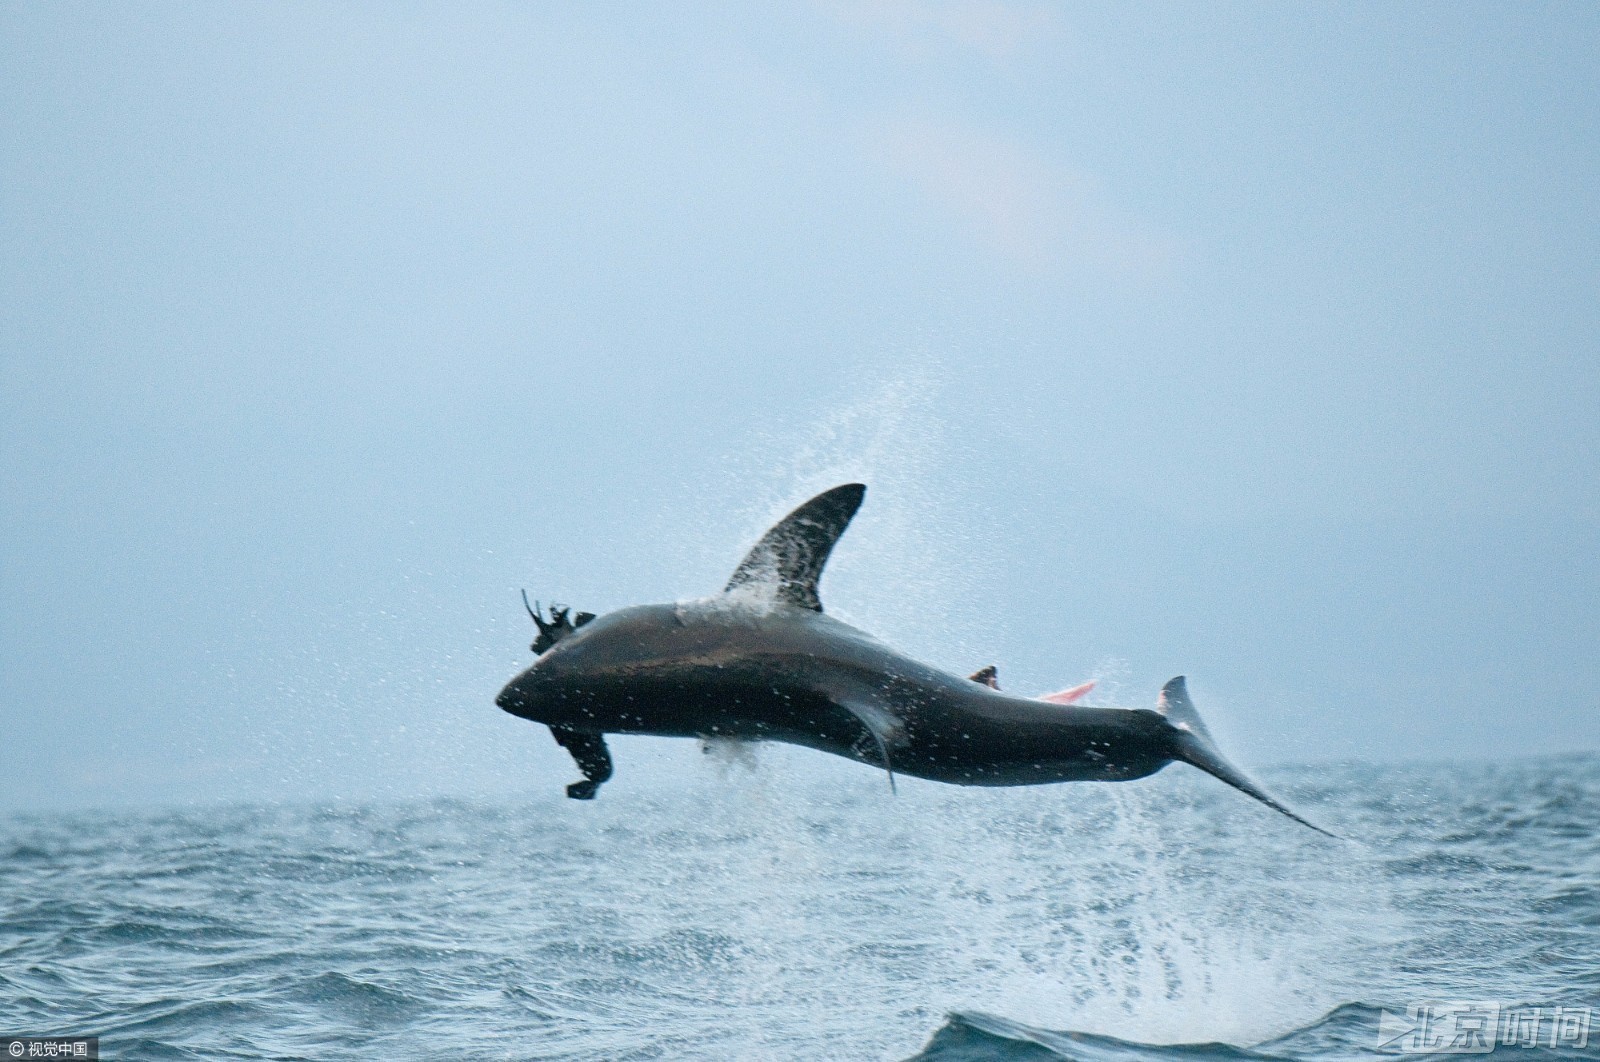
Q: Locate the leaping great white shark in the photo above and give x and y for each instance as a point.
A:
(762, 661)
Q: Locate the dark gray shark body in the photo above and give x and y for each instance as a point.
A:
(762, 662)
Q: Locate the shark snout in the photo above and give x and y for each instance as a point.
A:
(519, 695)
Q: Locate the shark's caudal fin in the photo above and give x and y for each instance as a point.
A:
(1196, 747)
(788, 560)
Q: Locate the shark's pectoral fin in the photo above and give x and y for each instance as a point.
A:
(786, 564)
(882, 723)
(871, 745)
(593, 758)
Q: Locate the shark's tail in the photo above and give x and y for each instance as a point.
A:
(1196, 747)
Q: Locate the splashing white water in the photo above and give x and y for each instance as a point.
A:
(1146, 911)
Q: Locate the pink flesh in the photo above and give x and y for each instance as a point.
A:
(1069, 696)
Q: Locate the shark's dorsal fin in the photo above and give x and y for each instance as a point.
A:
(788, 560)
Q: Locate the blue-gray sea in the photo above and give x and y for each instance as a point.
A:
(777, 910)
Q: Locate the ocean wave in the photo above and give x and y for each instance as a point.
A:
(773, 914)
(1350, 1031)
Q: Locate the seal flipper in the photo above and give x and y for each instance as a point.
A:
(1069, 696)
(592, 757)
(788, 560)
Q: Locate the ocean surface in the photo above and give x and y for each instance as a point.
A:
(789, 907)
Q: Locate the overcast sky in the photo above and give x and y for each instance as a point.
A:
(1252, 342)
